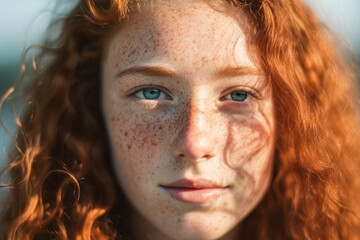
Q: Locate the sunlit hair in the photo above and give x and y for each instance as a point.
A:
(61, 185)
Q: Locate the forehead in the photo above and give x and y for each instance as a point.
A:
(191, 32)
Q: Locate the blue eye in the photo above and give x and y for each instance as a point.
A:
(239, 96)
(151, 94)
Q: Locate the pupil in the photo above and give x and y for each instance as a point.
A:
(239, 96)
(151, 93)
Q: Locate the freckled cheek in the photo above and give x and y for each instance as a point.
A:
(246, 140)
(249, 152)
(136, 137)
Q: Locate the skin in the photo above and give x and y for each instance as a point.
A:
(194, 129)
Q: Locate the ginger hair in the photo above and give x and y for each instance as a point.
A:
(62, 187)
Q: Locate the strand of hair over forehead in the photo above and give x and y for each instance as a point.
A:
(118, 9)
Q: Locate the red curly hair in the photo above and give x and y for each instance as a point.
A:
(61, 187)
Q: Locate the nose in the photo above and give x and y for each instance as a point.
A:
(195, 141)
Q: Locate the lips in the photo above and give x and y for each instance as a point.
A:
(194, 191)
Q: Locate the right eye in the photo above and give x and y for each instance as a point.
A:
(239, 96)
(150, 94)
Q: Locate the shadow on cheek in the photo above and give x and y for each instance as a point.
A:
(249, 147)
(245, 143)
(248, 150)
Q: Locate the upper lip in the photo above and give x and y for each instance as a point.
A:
(193, 183)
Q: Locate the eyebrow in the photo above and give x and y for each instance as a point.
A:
(234, 71)
(168, 71)
(149, 70)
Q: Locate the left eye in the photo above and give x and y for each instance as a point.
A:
(238, 96)
(151, 94)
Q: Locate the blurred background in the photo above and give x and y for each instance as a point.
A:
(24, 22)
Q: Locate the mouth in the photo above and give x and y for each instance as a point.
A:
(194, 191)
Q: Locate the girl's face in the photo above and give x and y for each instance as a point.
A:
(190, 120)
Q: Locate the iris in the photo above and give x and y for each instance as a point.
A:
(239, 96)
(151, 93)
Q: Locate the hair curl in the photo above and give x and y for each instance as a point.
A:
(62, 188)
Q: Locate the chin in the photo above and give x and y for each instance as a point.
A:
(199, 229)
(196, 234)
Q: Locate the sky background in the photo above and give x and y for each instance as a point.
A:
(23, 22)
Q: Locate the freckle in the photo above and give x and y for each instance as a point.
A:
(129, 146)
(125, 134)
(132, 53)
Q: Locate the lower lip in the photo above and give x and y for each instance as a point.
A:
(195, 195)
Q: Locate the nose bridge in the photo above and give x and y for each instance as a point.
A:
(197, 119)
(195, 140)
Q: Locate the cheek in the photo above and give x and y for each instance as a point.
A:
(247, 142)
(131, 135)
(139, 144)
(249, 151)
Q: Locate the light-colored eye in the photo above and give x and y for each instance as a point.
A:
(238, 96)
(151, 94)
